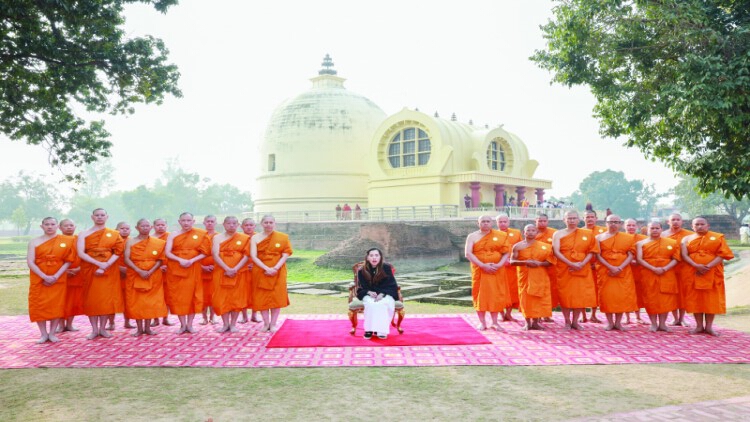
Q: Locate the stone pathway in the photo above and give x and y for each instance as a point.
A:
(734, 409)
(440, 287)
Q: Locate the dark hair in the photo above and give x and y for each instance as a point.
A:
(379, 272)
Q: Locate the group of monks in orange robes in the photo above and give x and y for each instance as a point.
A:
(72, 275)
(617, 271)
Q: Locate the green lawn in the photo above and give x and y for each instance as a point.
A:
(302, 269)
(8, 246)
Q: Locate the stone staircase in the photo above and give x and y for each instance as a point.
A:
(444, 288)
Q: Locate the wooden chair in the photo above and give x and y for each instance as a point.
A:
(357, 308)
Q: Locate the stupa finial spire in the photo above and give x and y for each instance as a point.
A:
(327, 66)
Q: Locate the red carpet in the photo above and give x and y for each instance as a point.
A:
(335, 333)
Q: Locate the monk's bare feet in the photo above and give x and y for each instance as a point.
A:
(653, 328)
(147, 330)
(181, 330)
(273, 329)
(707, 331)
(525, 327)
(204, 322)
(105, 334)
(137, 333)
(255, 320)
(584, 318)
(233, 330)
(155, 322)
(110, 326)
(507, 318)
(594, 320)
(548, 319)
(697, 330)
(53, 338)
(495, 327)
(212, 322)
(609, 327)
(92, 336)
(620, 327)
(482, 327)
(242, 321)
(568, 326)
(536, 326)
(191, 330)
(684, 324)
(70, 328)
(166, 322)
(664, 328)
(60, 329)
(223, 329)
(641, 322)
(42, 340)
(676, 323)
(576, 326)
(128, 325)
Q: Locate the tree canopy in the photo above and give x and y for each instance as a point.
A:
(610, 189)
(672, 77)
(687, 198)
(57, 57)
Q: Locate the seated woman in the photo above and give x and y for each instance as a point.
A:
(378, 291)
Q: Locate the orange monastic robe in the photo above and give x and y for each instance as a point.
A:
(48, 302)
(74, 290)
(208, 277)
(597, 230)
(489, 292)
(164, 237)
(269, 292)
(546, 237)
(637, 274)
(511, 274)
(617, 293)
(660, 292)
(576, 289)
(230, 293)
(533, 283)
(184, 285)
(705, 293)
(683, 269)
(102, 294)
(144, 298)
(249, 280)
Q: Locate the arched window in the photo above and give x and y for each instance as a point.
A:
(409, 147)
(495, 156)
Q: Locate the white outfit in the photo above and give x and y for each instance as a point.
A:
(378, 315)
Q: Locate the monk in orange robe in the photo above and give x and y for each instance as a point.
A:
(144, 283)
(487, 250)
(185, 250)
(248, 227)
(705, 252)
(207, 273)
(99, 249)
(48, 257)
(683, 270)
(616, 285)
(658, 256)
(269, 251)
(574, 249)
(74, 283)
(631, 227)
(124, 229)
(589, 219)
(545, 236)
(160, 232)
(231, 251)
(531, 257)
(511, 275)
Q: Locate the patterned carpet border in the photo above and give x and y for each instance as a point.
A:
(246, 349)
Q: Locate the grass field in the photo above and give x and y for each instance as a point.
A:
(310, 394)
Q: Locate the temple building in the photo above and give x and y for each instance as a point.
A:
(331, 146)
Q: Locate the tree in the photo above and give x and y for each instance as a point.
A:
(35, 197)
(688, 198)
(610, 189)
(56, 56)
(19, 219)
(673, 77)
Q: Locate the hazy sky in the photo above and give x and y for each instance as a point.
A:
(240, 59)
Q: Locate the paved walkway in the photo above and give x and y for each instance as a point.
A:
(734, 409)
